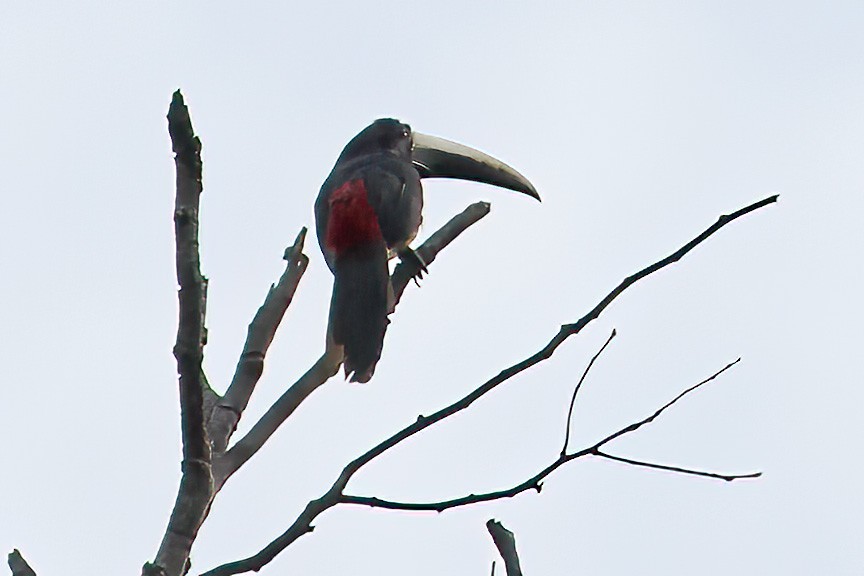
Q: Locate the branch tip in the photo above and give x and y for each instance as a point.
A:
(18, 565)
(295, 250)
(505, 542)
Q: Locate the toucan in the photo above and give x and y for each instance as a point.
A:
(369, 209)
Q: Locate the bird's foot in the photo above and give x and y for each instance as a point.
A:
(411, 257)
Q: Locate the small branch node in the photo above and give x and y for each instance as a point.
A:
(194, 462)
(183, 215)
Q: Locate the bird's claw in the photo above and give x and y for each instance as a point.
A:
(409, 256)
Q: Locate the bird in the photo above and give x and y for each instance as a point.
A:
(369, 209)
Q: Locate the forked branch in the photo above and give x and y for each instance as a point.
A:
(535, 482)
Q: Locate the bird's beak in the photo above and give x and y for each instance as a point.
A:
(435, 157)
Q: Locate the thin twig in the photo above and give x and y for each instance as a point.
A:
(303, 523)
(505, 541)
(679, 470)
(576, 391)
(725, 219)
(636, 425)
(535, 482)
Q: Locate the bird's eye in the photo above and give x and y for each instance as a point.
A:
(405, 133)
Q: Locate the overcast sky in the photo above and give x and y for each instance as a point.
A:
(638, 122)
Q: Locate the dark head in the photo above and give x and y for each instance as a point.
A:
(383, 135)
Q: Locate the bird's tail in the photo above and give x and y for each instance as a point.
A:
(359, 308)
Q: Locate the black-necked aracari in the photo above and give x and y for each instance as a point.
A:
(369, 209)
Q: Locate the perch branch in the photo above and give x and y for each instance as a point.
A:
(302, 525)
(18, 565)
(505, 541)
(406, 270)
(328, 365)
(576, 391)
(262, 330)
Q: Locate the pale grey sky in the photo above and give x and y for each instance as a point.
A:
(638, 122)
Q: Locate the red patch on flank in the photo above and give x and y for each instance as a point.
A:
(352, 219)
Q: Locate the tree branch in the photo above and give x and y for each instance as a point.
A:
(328, 364)
(576, 327)
(535, 482)
(325, 368)
(576, 391)
(505, 541)
(262, 330)
(189, 349)
(302, 525)
(18, 565)
(193, 496)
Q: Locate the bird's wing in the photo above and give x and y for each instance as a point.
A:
(396, 201)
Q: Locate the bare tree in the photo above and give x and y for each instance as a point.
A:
(208, 420)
